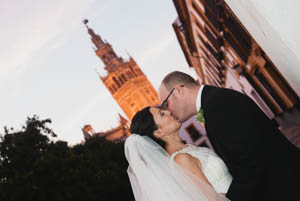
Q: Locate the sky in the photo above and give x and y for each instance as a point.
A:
(48, 65)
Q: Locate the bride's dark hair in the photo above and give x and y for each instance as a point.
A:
(143, 124)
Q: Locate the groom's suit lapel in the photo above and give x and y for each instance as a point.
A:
(206, 92)
(205, 97)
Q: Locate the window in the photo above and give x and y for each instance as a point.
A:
(269, 88)
(193, 132)
(113, 87)
(204, 144)
(117, 82)
(124, 78)
(111, 90)
(112, 53)
(129, 75)
(104, 58)
(133, 71)
(121, 80)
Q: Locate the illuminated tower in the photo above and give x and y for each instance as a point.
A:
(125, 81)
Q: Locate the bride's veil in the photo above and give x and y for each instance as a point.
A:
(154, 177)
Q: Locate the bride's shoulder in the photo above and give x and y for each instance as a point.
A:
(183, 158)
(182, 152)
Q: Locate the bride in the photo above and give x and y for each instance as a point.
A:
(197, 174)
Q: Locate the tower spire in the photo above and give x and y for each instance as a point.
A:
(104, 51)
(96, 39)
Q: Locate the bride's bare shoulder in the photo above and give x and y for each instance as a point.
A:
(186, 159)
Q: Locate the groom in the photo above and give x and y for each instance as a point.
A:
(264, 164)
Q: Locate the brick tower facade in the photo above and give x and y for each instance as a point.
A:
(126, 82)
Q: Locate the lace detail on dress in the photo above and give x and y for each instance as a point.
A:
(213, 166)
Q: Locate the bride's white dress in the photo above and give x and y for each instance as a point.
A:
(213, 166)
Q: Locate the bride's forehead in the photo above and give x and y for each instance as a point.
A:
(154, 110)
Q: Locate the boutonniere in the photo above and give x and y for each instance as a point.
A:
(200, 116)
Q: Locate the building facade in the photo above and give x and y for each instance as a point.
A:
(224, 54)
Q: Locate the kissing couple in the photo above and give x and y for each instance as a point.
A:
(251, 161)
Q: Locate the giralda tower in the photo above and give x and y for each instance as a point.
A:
(127, 84)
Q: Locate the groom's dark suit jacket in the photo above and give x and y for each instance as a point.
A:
(263, 163)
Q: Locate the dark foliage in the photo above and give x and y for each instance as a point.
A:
(35, 168)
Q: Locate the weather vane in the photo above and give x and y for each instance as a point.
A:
(85, 21)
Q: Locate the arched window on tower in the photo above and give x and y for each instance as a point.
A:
(124, 78)
(121, 80)
(112, 53)
(130, 74)
(104, 58)
(117, 82)
(113, 87)
(133, 71)
(111, 90)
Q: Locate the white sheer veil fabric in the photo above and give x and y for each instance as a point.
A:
(155, 177)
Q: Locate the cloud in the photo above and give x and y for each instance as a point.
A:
(33, 25)
(76, 118)
(95, 112)
(158, 47)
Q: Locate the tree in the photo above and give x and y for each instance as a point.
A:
(33, 167)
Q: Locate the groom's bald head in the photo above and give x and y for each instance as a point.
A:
(177, 93)
(178, 78)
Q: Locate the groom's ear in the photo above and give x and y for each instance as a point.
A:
(158, 133)
(179, 90)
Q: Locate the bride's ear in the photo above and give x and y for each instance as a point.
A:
(158, 133)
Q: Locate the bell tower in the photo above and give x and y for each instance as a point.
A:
(124, 79)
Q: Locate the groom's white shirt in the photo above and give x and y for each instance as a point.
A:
(198, 99)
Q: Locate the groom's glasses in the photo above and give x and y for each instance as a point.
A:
(164, 105)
